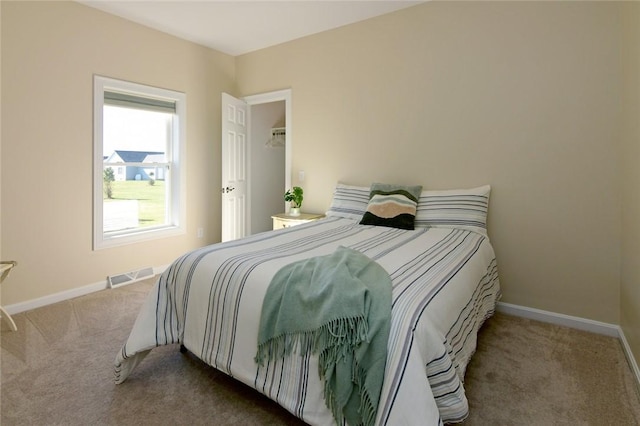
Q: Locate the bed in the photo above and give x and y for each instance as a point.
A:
(444, 286)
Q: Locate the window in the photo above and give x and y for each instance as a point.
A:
(138, 162)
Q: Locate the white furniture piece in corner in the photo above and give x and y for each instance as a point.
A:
(283, 220)
(5, 268)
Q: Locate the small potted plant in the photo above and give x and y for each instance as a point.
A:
(294, 196)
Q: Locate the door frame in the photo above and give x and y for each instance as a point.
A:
(265, 98)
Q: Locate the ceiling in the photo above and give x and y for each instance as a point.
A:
(238, 27)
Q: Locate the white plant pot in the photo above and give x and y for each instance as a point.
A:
(294, 211)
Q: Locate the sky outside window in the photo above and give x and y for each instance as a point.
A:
(132, 129)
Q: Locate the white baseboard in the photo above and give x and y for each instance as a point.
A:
(584, 324)
(629, 354)
(55, 298)
(65, 295)
(598, 327)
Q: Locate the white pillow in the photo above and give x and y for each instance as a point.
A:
(349, 201)
(454, 208)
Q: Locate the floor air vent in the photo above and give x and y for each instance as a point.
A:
(129, 277)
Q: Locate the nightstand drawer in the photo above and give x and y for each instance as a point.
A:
(283, 220)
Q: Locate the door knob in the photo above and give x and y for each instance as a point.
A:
(227, 190)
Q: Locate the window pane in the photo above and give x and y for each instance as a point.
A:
(135, 130)
(131, 204)
(135, 194)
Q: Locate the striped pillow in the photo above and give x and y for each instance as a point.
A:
(456, 208)
(349, 201)
(392, 205)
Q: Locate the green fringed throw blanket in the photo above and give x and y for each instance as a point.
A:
(338, 306)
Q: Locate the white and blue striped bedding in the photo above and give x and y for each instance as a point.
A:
(445, 284)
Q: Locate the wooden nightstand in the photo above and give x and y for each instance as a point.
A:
(283, 220)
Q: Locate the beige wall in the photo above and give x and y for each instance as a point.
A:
(630, 283)
(50, 52)
(524, 96)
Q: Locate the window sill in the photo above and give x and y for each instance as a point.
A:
(103, 241)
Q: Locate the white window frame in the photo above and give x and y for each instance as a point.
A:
(176, 210)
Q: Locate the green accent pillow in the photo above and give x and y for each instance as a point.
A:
(393, 206)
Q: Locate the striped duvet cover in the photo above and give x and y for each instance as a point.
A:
(445, 284)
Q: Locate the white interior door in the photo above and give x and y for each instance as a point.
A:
(234, 168)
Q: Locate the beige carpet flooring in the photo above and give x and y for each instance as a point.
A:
(57, 369)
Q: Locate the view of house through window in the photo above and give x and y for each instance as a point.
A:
(136, 184)
(135, 145)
